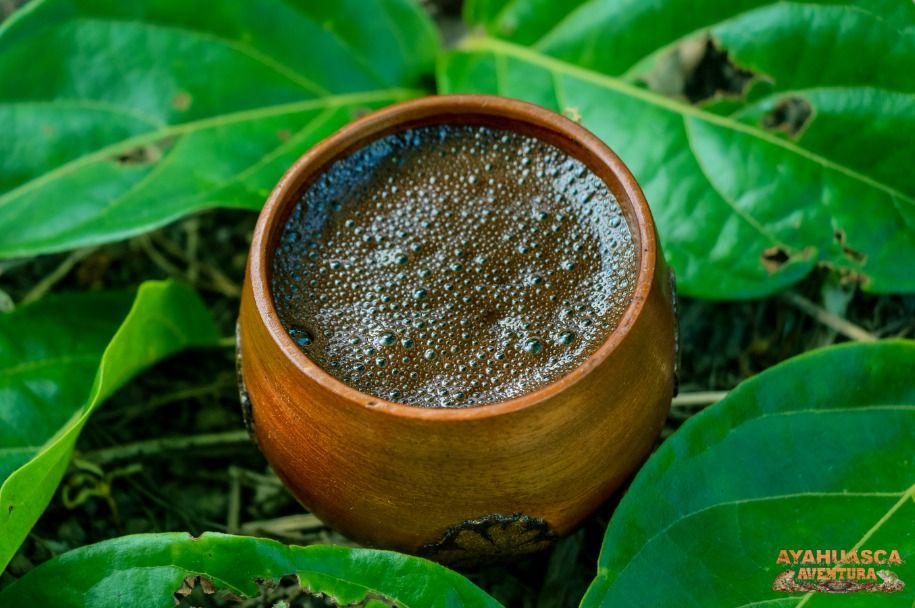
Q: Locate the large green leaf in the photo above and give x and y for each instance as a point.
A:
(117, 117)
(147, 569)
(818, 453)
(60, 358)
(743, 210)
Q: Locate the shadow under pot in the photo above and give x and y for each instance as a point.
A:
(457, 332)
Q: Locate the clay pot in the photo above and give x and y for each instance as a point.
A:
(463, 486)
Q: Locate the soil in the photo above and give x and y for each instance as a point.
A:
(212, 478)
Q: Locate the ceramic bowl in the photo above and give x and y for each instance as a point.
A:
(473, 485)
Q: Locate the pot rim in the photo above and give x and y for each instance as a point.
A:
(423, 111)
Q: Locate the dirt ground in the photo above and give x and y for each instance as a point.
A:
(168, 452)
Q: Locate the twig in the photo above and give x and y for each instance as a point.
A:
(158, 259)
(897, 329)
(192, 228)
(835, 322)
(6, 302)
(226, 342)
(219, 282)
(283, 526)
(698, 398)
(222, 381)
(254, 480)
(44, 285)
(13, 264)
(167, 444)
(172, 506)
(234, 509)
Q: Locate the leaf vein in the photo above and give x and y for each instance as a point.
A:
(676, 107)
(37, 364)
(903, 495)
(206, 123)
(743, 214)
(262, 58)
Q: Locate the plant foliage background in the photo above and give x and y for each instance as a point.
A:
(774, 141)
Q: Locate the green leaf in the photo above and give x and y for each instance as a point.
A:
(60, 358)
(118, 117)
(815, 453)
(743, 209)
(147, 569)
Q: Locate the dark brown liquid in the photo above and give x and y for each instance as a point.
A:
(453, 266)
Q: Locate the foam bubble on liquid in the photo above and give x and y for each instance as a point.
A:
(453, 266)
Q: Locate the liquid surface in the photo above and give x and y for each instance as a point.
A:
(453, 266)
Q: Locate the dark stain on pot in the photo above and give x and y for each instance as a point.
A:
(675, 306)
(490, 540)
(247, 414)
(452, 266)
